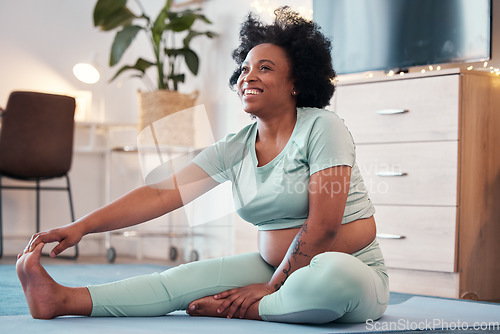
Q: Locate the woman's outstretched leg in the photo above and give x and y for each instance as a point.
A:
(47, 299)
(174, 289)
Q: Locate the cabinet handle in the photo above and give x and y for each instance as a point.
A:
(390, 236)
(392, 111)
(390, 173)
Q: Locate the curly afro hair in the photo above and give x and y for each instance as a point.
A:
(308, 50)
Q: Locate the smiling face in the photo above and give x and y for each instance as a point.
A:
(265, 85)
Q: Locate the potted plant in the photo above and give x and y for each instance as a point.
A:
(164, 34)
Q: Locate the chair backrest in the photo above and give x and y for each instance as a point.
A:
(36, 136)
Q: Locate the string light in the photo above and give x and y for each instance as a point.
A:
(485, 67)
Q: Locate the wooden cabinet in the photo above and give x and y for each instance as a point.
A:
(428, 146)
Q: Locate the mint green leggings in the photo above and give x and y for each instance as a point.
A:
(333, 287)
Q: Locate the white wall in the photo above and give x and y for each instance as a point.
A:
(42, 40)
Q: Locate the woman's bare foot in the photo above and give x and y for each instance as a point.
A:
(46, 299)
(208, 307)
(40, 289)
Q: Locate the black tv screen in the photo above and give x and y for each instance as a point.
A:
(371, 35)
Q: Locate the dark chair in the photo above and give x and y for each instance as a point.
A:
(36, 144)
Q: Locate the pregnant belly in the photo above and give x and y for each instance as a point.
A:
(351, 237)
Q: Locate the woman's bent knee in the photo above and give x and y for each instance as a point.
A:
(333, 286)
(337, 273)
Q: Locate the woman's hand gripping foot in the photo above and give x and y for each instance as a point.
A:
(41, 291)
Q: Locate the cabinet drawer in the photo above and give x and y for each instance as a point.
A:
(431, 109)
(410, 173)
(429, 237)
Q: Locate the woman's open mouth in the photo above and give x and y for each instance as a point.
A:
(251, 91)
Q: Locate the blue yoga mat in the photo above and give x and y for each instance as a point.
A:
(405, 313)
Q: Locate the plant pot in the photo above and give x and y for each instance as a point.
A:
(165, 114)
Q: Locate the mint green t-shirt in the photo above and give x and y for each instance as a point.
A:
(275, 196)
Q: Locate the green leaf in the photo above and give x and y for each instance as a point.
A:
(120, 19)
(204, 19)
(109, 15)
(159, 27)
(113, 14)
(192, 34)
(184, 20)
(192, 60)
(181, 22)
(173, 52)
(168, 4)
(105, 8)
(122, 41)
(141, 65)
(177, 78)
(211, 34)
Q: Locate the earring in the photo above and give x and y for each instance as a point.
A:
(294, 92)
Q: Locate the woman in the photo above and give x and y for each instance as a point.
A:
(294, 176)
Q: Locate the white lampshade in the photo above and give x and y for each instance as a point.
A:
(86, 73)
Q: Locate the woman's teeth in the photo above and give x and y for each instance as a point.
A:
(252, 92)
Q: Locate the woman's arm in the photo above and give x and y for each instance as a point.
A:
(328, 190)
(138, 206)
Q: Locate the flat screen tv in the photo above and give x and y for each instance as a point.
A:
(372, 35)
